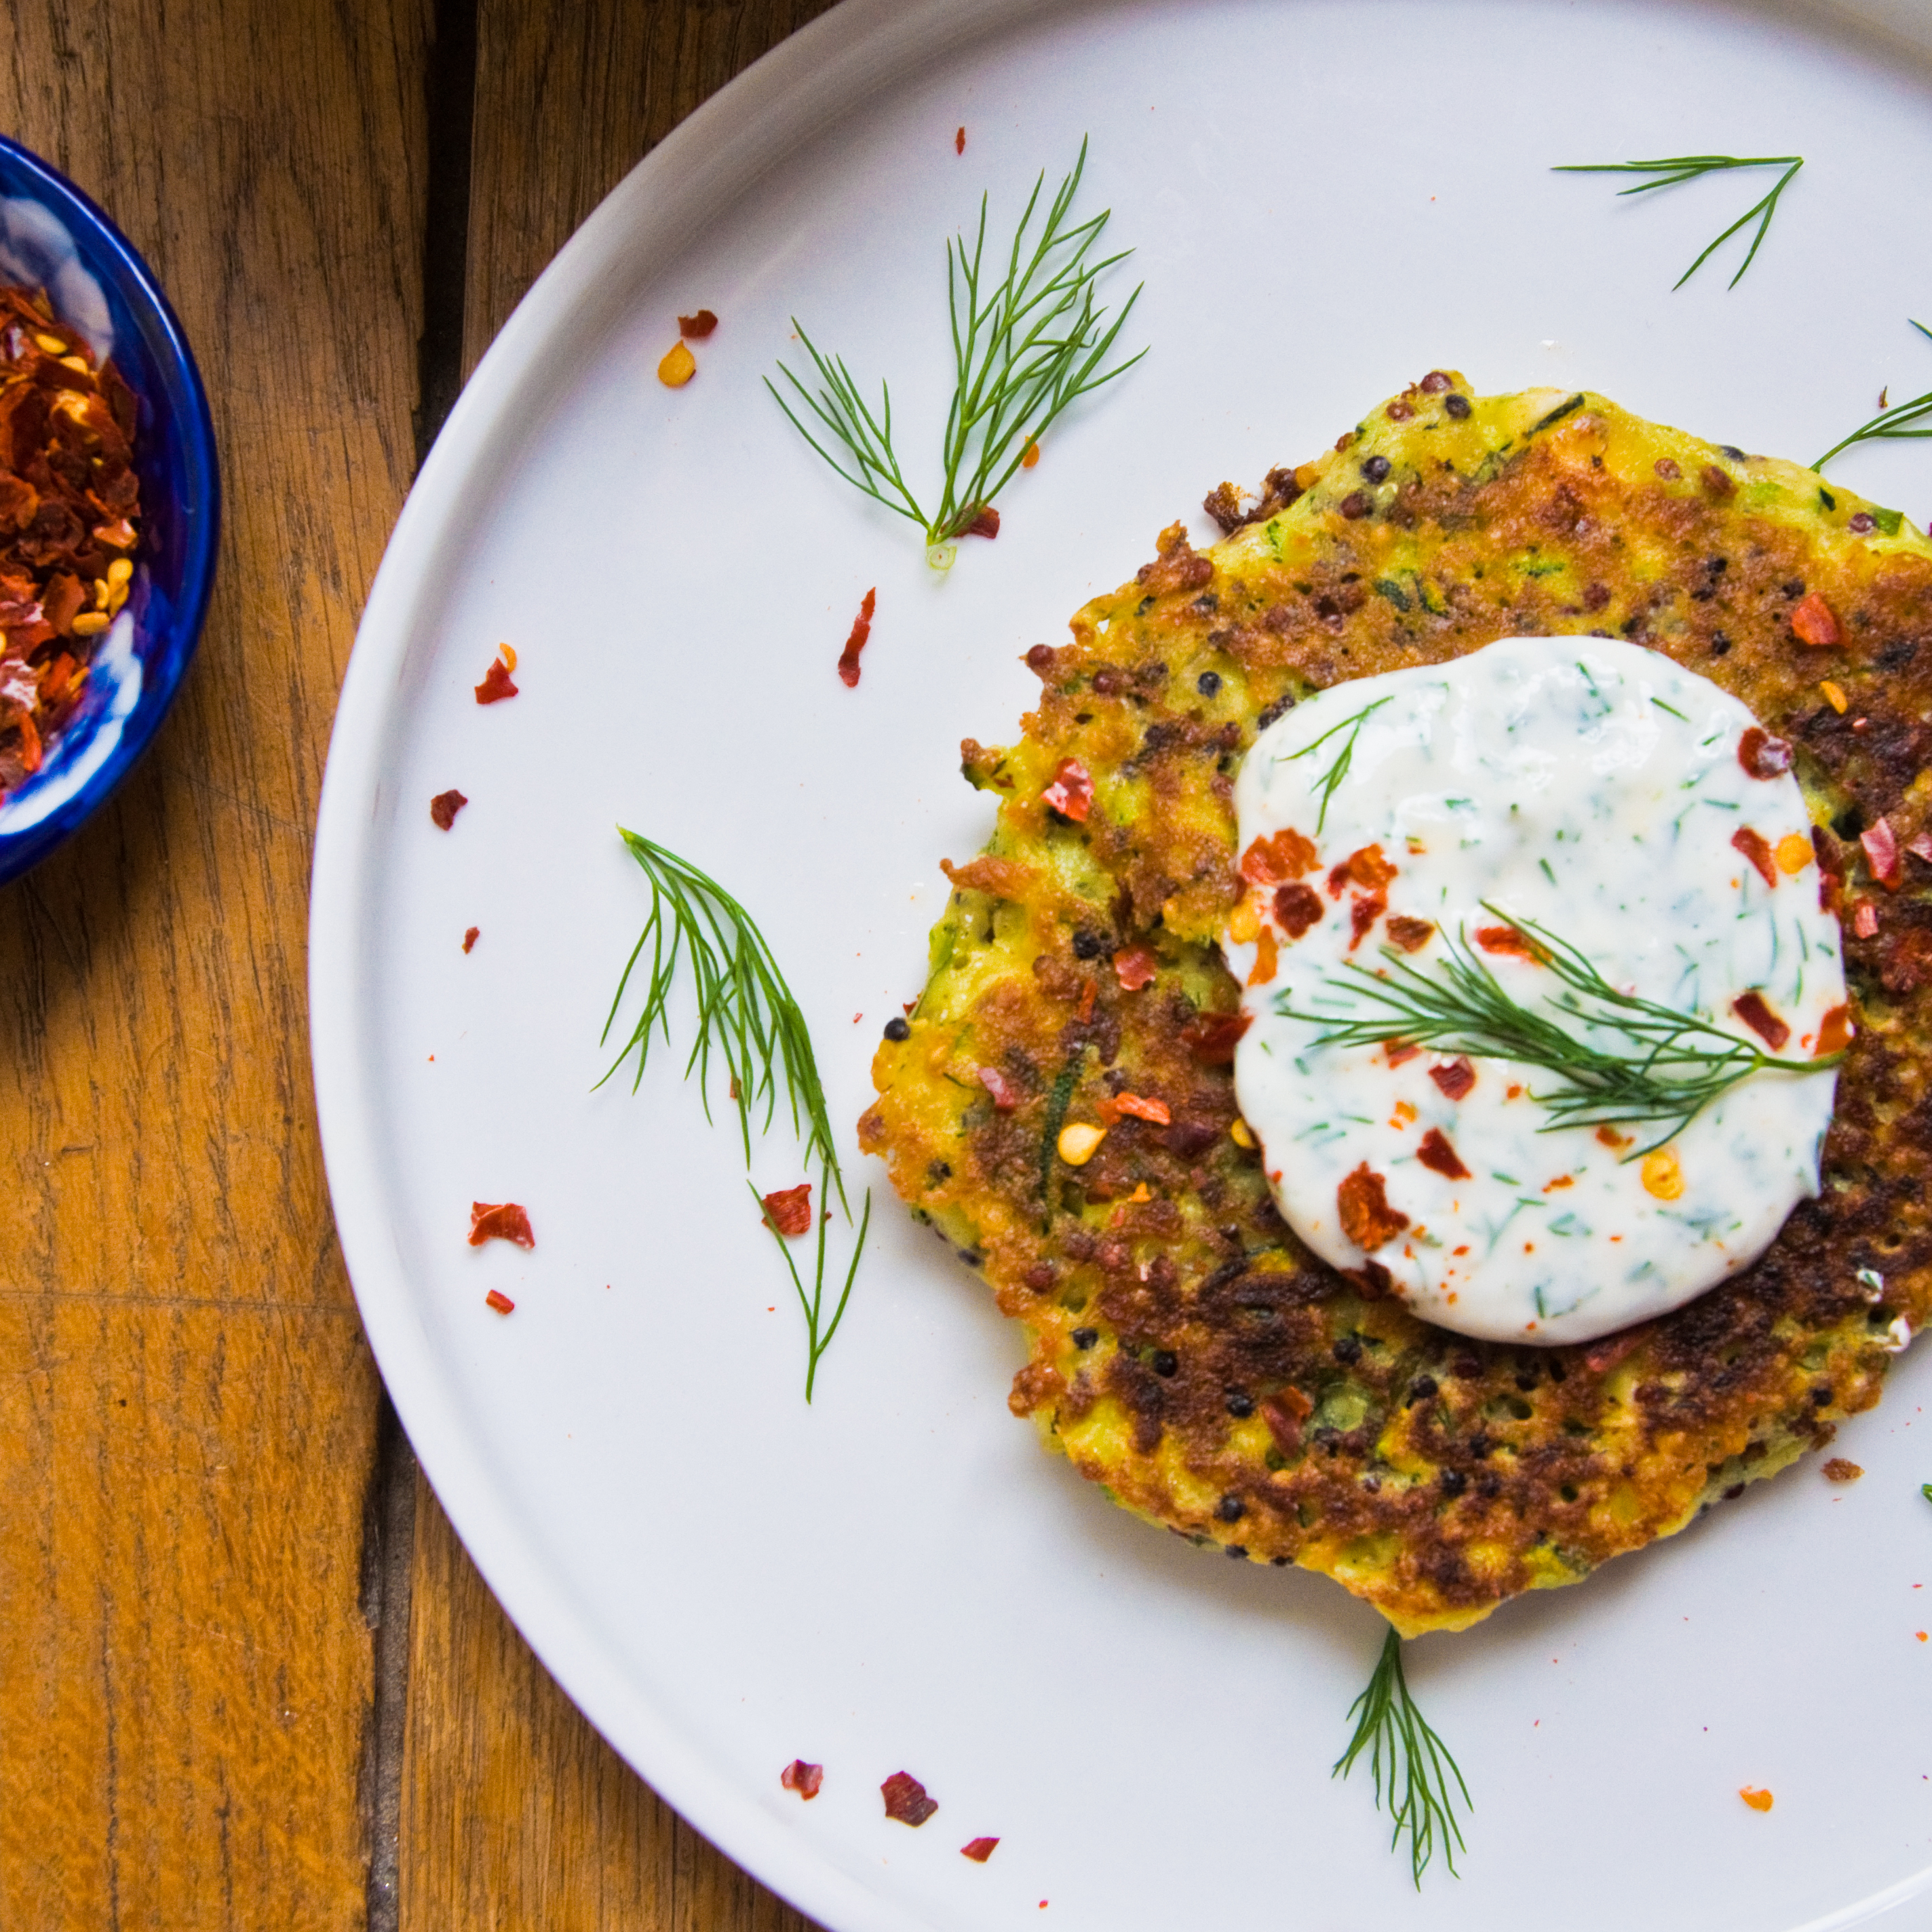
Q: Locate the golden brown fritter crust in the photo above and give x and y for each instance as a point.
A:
(1187, 1351)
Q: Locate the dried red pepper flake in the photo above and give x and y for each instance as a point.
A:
(1881, 845)
(502, 1221)
(1367, 1218)
(959, 148)
(985, 524)
(1834, 1032)
(1090, 990)
(789, 1209)
(444, 807)
(906, 1799)
(1510, 941)
(696, 328)
(1134, 967)
(1297, 907)
(1865, 920)
(1144, 1107)
(804, 1779)
(1814, 622)
(1454, 1077)
(1284, 1412)
(978, 1849)
(862, 629)
(1006, 1096)
(1762, 755)
(1363, 911)
(469, 938)
(499, 1301)
(1399, 1052)
(1754, 847)
(1435, 1153)
(69, 500)
(1365, 867)
(1071, 793)
(1410, 934)
(496, 684)
(1606, 1354)
(1211, 1038)
(1750, 1008)
(1288, 855)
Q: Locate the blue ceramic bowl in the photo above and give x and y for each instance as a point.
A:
(51, 235)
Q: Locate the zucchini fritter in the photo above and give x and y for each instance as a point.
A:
(1187, 1351)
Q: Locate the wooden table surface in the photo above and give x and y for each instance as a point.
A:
(248, 1678)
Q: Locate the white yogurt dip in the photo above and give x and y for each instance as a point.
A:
(1629, 809)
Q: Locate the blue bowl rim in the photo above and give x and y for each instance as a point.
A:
(21, 850)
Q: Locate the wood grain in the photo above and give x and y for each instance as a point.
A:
(187, 1409)
(515, 1812)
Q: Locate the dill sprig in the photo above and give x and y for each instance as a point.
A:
(745, 1010)
(1676, 168)
(1666, 1065)
(1894, 425)
(819, 1339)
(1023, 351)
(1406, 1752)
(1330, 781)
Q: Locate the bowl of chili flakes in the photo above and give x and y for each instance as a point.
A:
(109, 507)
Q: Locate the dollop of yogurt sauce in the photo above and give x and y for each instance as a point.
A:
(1632, 811)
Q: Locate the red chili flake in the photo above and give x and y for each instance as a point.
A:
(496, 684)
(1410, 934)
(789, 1209)
(1090, 991)
(1455, 1077)
(499, 1301)
(1071, 793)
(1211, 1038)
(1284, 1412)
(1607, 1352)
(1005, 1098)
(1367, 1218)
(1749, 1007)
(1362, 913)
(1813, 622)
(1511, 940)
(959, 148)
(1611, 1137)
(906, 1799)
(1297, 907)
(444, 807)
(696, 328)
(980, 1849)
(1288, 855)
(469, 937)
(985, 524)
(1762, 755)
(1365, 868)
(1752, 844)
(1436, 1153)
(503, 1221)
(1834, 1032)
(1143, 1108)
(1399, 1052)
(862, 629)
(1135, 967)
(1865, 920)
(804, 1779)
(1881, 845)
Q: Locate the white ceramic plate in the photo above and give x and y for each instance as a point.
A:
(1327, 199)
